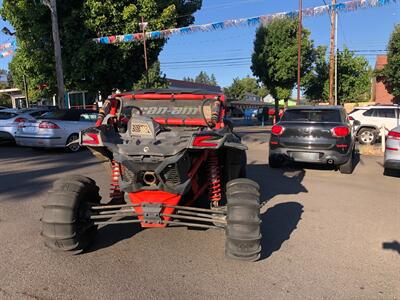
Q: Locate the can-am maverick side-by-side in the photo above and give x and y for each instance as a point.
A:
(173, 161)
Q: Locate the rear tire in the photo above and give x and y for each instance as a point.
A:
(66, 225)
(274, 163)
(367, 136)
(73, 147)
(348, 167)
(243, 230)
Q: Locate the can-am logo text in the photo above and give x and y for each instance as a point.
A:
(184, 110)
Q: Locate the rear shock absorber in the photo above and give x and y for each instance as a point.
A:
(115, 191)
(214, 174)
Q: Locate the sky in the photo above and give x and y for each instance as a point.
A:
(365, 30)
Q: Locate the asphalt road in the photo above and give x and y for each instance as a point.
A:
(326, 236)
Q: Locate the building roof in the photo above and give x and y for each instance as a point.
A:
(381, 61)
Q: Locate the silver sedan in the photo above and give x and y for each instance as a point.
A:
(392, 151)
(10, 119)
(56, 129)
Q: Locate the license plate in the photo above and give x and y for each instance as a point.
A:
(305, 156)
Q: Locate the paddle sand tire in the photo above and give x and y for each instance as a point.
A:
(66, 218)
(243, 233)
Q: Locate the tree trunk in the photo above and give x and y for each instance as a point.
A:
(276, 109)
(286, 103)
(57, 54)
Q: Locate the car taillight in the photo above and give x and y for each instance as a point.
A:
(20, 120)
(277, 130)
(48, 125)
(90, 139)
(340, 131)
(205, 141)
(351, 118)
(393, 135)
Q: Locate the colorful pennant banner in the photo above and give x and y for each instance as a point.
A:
(8, 45)
(253, 21)
(6, 53)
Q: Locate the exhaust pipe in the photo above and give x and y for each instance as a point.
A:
(330, 161)
(149, 178)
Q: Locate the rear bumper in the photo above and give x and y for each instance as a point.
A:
(316, 156)
(40, 141)
(392, 164)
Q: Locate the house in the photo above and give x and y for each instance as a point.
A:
(379, 92)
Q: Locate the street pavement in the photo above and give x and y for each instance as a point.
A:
(325, 236)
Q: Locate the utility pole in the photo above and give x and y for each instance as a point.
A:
(143, 26)
(336, 59)
(332, 53)
(52, 5)
(299, 35)
(26, 91)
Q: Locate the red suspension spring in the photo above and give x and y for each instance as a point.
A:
(115, 191)
(214, 173)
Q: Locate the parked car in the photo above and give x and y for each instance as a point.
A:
(10, 119)
(313, 134)
(372, 118)
(56, 129)
(3, 107)
(392, 151)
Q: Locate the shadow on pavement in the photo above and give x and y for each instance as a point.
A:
(395, 246)
(109, 235)
(278, 223)
(275, 182)
(25, 173)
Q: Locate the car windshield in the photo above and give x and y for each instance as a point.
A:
(55, 115)
(312, 115)
(6, 115)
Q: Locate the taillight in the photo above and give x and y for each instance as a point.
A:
(277, 130)
(340, 131)
(90, 139)
(20, 120)
(393, 135)
(351, 118)
(205, 141)
(48, 125)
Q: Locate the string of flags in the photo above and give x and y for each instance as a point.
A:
(253, 21)
(8, 45)
(6, 53)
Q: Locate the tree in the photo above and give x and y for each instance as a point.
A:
(203, 78)
(274, 60)
(317, 80)
(87, 65)
(354, 77)
(241, 87)
(390, 75)
(154, 79)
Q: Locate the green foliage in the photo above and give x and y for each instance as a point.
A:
(391, 72)
(87, 65)
(241, 87)
(274, 60)
(153, 79)
(314, 83)
(354, 77)
(203, 78)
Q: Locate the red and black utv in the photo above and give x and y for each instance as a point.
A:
(174, 161)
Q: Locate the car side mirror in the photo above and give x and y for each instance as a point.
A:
(356, 123)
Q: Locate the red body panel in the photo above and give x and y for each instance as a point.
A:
(154, 197)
